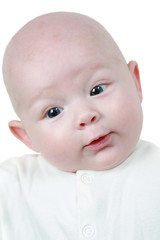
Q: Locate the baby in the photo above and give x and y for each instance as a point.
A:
(79, 105)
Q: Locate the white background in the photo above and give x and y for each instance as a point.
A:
(135, 25)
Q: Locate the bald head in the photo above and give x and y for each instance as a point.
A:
(60, 30)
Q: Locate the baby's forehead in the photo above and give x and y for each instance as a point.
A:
(56, 32)
(59, 30)
(56, 28)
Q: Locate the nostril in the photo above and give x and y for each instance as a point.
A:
(87, 118)
(92, 120)
(82, 124)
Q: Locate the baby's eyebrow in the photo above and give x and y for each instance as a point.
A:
(45, 92)
(42, 97)
(39, 106)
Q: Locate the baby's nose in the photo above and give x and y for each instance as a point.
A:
(87, 118)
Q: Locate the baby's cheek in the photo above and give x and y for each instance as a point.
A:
(52, 141)
(122, 111)
(41, 138)
(131, 114)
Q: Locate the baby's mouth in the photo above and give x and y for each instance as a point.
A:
(97, 140)
(99, 143)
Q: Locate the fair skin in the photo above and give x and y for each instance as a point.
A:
(82, 103)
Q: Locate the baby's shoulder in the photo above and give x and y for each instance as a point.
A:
(14, 168)
(28, 169)
(147, 151)
(146, 159)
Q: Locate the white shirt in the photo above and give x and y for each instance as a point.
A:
(39, 202)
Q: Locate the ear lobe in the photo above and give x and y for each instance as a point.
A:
(133, 68)
(17, 129)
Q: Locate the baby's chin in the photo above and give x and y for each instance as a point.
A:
(94, 167)
(107, 159)
(101, 166)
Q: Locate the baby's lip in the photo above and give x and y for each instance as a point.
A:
(98, 142)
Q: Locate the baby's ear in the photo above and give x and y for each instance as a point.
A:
(16, 127)
(134, 70)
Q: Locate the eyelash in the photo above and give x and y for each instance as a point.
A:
(98, 89)
(54, 112)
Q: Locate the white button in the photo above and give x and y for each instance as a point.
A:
(87, 178)
(88, 231)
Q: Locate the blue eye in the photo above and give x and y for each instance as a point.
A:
(98, 89)
(53, 112)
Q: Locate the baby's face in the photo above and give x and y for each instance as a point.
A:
(82, 109)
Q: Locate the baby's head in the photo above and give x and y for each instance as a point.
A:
(78, 100)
